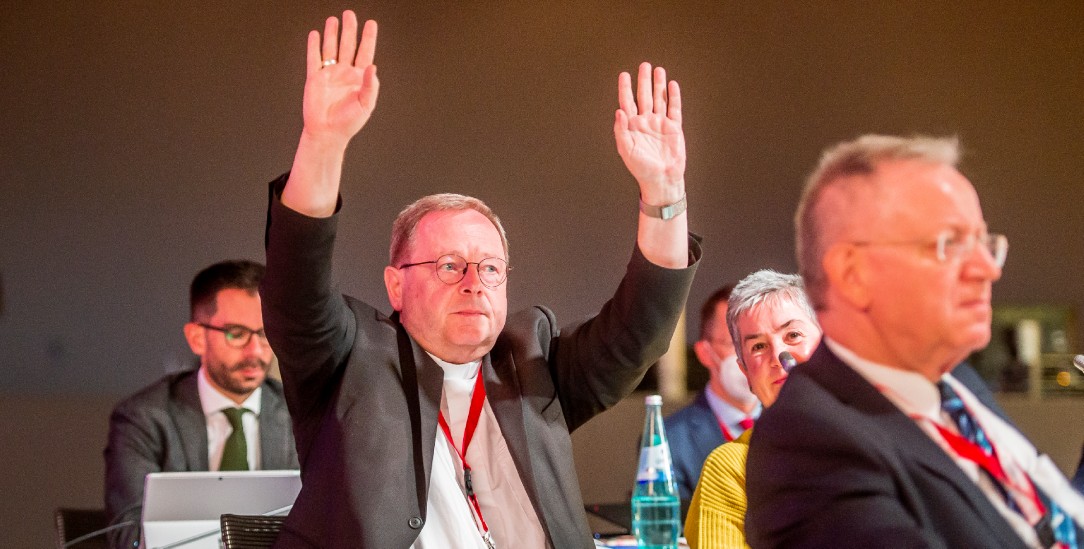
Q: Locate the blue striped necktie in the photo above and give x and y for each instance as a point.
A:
(1055, 527)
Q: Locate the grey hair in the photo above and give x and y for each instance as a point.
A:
(406, 223)
(850, 158)
(764, 287)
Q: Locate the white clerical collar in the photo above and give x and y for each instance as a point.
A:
(457, 371)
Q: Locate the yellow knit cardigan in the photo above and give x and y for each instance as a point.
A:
(716, 518)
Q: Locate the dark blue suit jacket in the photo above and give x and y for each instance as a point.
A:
(693, 432)
(1078, 478)
(833, 463)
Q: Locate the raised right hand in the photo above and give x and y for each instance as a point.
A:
(340, 97)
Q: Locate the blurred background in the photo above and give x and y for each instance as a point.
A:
(138, 138)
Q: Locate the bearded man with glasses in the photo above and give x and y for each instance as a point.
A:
(225, 415)
(446, 424)
(883, 438)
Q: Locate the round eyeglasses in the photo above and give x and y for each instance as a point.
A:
(236, 335)
(451, 268)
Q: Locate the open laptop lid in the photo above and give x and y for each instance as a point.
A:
(180, 506)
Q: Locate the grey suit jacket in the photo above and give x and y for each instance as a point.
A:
(364, 396)
(161, 428)
(833, 463)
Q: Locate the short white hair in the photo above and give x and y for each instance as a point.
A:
(858, 157)
(764, 287)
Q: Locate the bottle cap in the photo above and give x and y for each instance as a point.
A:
(653, 400)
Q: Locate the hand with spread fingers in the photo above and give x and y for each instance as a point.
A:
(649, 136)
(340, 94)
(647, 128)
(341, 84)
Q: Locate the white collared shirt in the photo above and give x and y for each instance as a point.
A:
(915, 396)
(218, 426)
(507, 509)
(728, 415)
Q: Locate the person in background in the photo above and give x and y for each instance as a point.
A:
(447, 423)
(768, 314)
(722, 411)
(881, 438)
(225, 415)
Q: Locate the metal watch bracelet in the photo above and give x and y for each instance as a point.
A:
(666, 212)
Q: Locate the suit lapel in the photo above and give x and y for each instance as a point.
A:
(502, 391)
(274, 435)
(909, 442)
(423, 383)
(705, 422)
(187, 415)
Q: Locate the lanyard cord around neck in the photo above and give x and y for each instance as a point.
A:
(1020, 495)
(746, 423)
(477, 400)
(988, 463)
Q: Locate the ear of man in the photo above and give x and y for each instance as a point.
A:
(705, 354)
(196, 336)
(393, 282)
(848, 272)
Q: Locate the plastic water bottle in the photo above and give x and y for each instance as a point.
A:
(656, 509)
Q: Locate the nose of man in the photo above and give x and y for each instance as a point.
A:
(982, 264)
(472, 280)
(256, 346)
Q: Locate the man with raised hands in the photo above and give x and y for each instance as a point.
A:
(447, 423)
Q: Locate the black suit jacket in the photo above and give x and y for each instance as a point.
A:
(161, 428)
(364, 396)
(833, 463)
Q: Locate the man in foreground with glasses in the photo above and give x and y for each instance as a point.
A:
(225, 415)
(880, 439)
(447, 424)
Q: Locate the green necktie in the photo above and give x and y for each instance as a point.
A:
(235, 452)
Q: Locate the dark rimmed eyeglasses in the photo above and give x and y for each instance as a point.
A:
(236, 335)
(451, 268)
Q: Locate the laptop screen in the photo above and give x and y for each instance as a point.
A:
(182, 509)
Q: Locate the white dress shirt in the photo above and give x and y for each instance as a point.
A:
(728, 415)
(506, 508)
(915, 396)
(218, 426)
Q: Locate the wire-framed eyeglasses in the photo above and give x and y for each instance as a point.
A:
(451, 268)
(236, 335)
(951, 245)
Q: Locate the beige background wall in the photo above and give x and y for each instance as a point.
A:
(138, 135)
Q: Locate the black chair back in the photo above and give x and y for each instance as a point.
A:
(74, 523)
(250, 531)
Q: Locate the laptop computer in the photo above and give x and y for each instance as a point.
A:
(181, 510)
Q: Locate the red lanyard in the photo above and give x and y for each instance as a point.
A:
(989, 463)
(726, 432)
(476, 401)
(1021, 492)
(727, 435)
